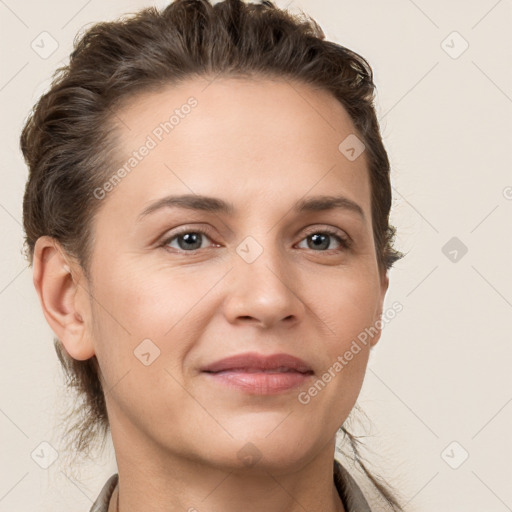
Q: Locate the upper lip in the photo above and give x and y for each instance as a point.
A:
(255, 361)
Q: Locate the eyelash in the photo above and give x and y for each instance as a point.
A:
(345, 242)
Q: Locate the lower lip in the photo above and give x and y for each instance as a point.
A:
(260, 383)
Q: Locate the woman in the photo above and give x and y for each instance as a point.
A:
(207, 215)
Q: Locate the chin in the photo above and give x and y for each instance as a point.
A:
(273, 447)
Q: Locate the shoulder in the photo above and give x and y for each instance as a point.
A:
(103, 499)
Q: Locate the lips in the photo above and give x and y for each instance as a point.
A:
(257, 374)
(252, 362)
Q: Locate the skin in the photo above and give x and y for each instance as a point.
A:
(261, 145)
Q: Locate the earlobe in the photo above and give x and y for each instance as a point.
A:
(62, 297)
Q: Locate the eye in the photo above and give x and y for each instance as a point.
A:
(320, 239)
(188, 240)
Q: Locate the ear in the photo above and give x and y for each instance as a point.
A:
(62, 291)
(384, 284)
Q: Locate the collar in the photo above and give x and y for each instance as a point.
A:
(350, 493)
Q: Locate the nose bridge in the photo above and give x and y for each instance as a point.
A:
(261, 259)
(262, 280)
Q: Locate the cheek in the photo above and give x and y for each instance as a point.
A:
(332, 394)
(146, 302)
(347, 307)
(139, 309)
(348, 319)
(133, 315)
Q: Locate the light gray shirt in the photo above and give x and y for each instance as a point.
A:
(350, 493)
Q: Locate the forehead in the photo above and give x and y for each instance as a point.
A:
(238, 137)
(237, 102)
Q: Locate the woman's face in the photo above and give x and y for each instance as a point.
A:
(264, 278)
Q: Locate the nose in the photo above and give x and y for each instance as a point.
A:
(263, 292)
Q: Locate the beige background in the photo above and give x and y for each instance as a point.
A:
(441, 372)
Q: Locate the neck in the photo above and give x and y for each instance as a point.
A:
(170, 483)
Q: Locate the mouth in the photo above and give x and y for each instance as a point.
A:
(246, 369)
(259, 374)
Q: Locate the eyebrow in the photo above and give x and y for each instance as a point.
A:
(215, 205)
